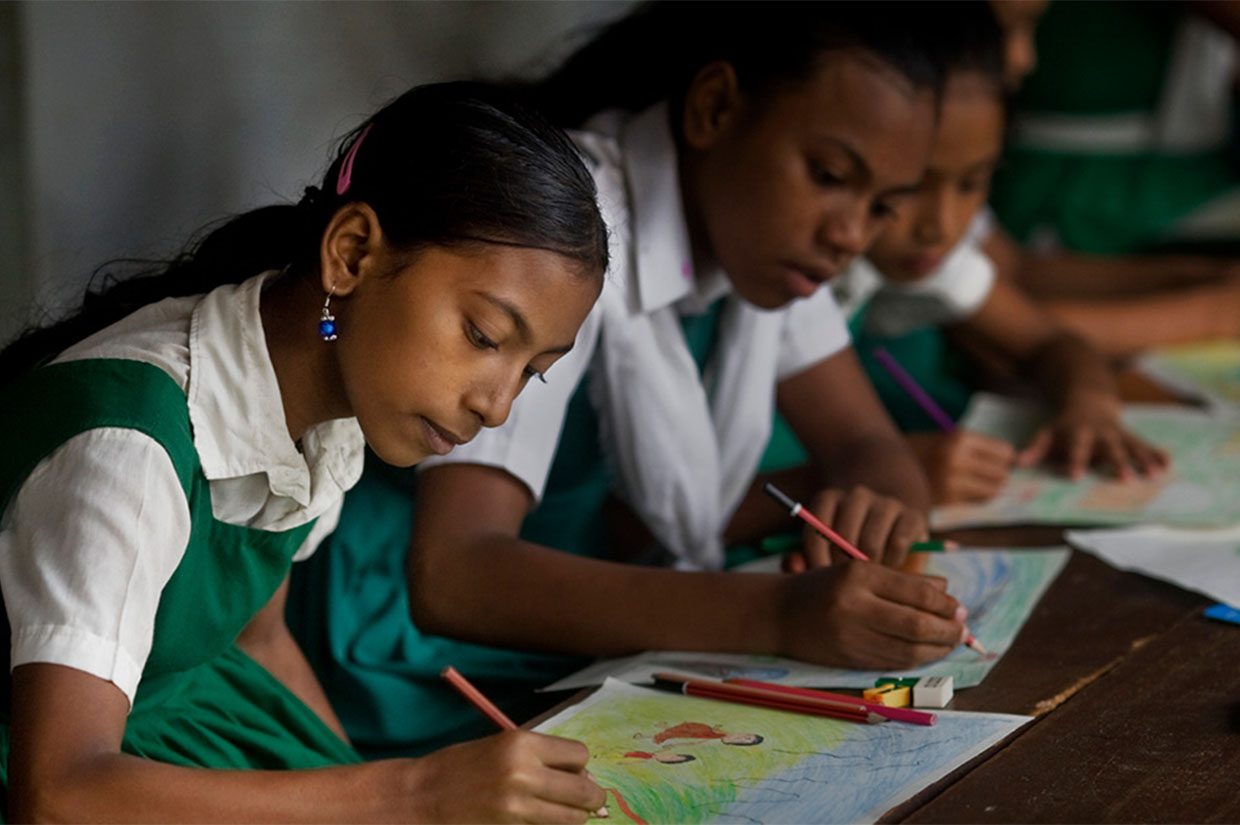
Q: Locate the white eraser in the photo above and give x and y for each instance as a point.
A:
(932, 692)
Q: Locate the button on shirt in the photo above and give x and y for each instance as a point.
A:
(96, 531)
(684, 454)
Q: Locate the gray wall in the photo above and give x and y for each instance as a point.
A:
(124, 127)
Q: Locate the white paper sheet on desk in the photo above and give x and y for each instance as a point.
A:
(1201, 489)
(1207, 561)
(661, 757)
(999, 587)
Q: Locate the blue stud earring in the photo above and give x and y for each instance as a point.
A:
(327, 321)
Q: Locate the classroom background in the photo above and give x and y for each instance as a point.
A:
(127, 126)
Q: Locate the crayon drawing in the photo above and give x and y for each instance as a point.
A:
(663, 757)
(999, 587)
(1201, 489)
(1207, 371)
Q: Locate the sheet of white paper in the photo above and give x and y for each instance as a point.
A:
(1207, 561)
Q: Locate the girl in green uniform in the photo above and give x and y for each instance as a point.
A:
(173, 448)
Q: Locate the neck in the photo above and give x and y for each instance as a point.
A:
(699, 240)
(305, 366)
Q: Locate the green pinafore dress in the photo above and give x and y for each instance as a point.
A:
(201, 701)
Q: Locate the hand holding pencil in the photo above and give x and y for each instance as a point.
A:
(514, 776)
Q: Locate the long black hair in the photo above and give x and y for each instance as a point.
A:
(442, 165)
(654, 52)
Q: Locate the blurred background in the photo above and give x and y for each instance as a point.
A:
(127, 126)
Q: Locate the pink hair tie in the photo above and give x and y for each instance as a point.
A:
(346, 168)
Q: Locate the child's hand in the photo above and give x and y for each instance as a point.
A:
(963, 466)
(867, 616)
(1089, 433)
(515, 776)
(879, 526)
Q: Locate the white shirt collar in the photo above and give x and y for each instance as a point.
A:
(237, 412)
(663, 254)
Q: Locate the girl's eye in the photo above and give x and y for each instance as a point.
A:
(822, 176)
(479, 338)
(530, 372)
(882, 209)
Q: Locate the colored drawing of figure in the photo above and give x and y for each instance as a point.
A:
(698, 730)
(665, 757)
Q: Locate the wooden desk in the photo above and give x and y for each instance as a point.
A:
(1137, 705)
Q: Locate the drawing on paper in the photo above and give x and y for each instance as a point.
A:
(1201, 489)
(1209, 371)
(791, 768)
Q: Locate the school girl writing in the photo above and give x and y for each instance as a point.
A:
(746, 154)
(927, 270)
(172, 450)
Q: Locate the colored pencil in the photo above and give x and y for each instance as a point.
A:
(933, 546)
(917, 717)
(475, 697)
(798, 510)
(482, 703)
(849, 710)
(914, 391)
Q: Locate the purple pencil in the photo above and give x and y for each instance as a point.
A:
(914, 390)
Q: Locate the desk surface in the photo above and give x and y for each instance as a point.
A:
(1136, 699)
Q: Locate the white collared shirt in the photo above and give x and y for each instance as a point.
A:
(96, 531)
(633, 161)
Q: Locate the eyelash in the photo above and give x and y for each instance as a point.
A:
(821, 176)
(480, 340)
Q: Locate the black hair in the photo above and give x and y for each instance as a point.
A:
(442, 165)
(654, 52)
(973, 42)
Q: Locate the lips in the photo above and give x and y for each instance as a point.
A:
(441, 441)
(805, 280)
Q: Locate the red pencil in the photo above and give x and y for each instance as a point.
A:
(798, 510)
(917, 717)
(476, 698)
(849, 710)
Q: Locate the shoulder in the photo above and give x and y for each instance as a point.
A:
(157, 334)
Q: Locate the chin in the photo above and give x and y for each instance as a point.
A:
(405, 456)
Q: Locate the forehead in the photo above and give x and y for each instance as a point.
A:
(970, 128)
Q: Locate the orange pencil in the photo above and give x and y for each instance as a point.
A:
(482, 703)
(476, 698)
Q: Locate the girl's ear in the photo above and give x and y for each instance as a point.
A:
(712, 103)
(351, 248)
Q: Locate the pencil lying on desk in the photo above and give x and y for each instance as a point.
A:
(914, 391)
(851, 710)
(917, 717)
(798, 510)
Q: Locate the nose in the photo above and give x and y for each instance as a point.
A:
(491, 399)
(847, 231)
(935, 216)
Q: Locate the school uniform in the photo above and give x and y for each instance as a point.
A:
(665, 401)
(1123, 137)
(153, 501)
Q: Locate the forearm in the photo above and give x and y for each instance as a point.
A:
(882, 463)
(1068, 370)
(505, 592)
(1077, 276)
(1122, 328)
(114, 787)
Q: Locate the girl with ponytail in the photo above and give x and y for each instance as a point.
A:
(170, 450)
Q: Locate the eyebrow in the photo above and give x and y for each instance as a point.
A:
(859, 160)
(518, 320)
